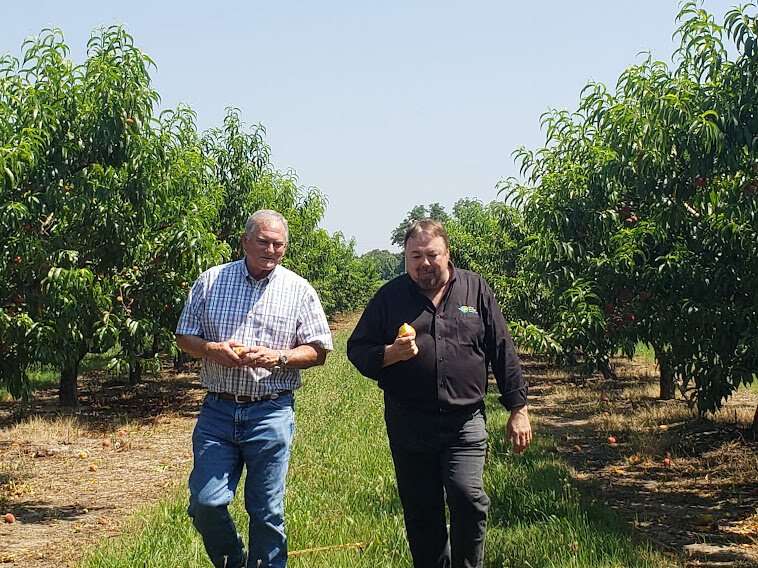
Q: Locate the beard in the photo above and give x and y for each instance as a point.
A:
(429, 280)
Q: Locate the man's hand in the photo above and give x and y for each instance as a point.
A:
(259, 356)
(518, 429)
(402, 349)
(405, 347)
(224, 353)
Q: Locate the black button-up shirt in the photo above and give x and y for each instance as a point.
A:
(456, 341)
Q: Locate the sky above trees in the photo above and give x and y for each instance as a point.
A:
(381, 106)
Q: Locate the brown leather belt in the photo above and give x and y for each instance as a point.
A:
(245, 399)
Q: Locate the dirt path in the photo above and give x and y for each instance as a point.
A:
(689, 486)
(72, 479)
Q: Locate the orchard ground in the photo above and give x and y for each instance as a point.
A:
(682, 487)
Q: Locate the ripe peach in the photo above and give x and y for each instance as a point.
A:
(9, 518)
(612, 440)
(667, 462)
(406, 330)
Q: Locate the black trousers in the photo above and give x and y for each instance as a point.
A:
(440, 457)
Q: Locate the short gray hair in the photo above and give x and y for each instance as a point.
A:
(263, 218)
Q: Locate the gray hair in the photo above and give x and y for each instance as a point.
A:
(264, 218)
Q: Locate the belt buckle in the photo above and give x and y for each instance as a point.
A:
(237, 398)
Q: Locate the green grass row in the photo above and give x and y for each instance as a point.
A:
(341, 491)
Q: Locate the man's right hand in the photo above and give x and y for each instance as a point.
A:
(402, 349)
(223, 353)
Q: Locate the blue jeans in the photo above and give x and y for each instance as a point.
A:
(227, 436)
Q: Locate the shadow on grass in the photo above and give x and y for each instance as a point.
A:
(41, 512)
(694, 499)
(540, 516)
(106, 403)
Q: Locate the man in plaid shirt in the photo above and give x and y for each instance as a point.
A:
(255, 324)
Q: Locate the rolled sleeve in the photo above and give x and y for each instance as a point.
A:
(312, 325)
(190, 321)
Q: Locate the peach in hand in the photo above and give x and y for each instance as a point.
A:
(406, 330)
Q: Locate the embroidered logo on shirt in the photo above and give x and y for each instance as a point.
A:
(468, 310)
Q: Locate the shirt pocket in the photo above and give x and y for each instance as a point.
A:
(469, 329)
(274, 331)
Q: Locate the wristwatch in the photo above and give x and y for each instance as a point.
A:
(282, 362)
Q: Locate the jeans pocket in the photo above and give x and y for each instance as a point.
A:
(283, 402)
(474, 430)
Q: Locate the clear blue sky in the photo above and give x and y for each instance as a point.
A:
(381, 105)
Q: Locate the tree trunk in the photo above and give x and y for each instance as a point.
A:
(755, 424)
(68, 389)
(605, 367)
(135, 371)
(667, 383)
(180, 361)
(571, 359)
(156, 344)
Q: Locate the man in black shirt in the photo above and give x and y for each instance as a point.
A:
(434, 383)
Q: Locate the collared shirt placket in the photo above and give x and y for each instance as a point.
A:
(438, 333)
(439, 343)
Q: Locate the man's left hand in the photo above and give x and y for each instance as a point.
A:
(518, 429)
(261, 357)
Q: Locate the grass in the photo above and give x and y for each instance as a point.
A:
(539, 517)
(341, 495)
(644, 351)
(47, 376)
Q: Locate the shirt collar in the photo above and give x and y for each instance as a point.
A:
(265, 280)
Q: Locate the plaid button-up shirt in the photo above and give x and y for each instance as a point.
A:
(280, 311)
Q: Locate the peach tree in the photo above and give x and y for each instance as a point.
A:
(95, 188)
(643, 208)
